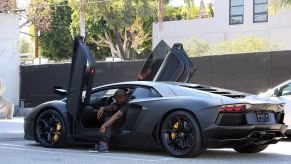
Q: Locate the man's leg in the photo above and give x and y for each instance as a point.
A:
(104, 138)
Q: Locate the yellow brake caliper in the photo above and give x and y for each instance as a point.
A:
(58, 128)
(175, 126)
(173, 135)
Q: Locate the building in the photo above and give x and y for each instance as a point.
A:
(231, 18)
(9, 58)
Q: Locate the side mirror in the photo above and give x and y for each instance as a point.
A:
(60, 91)
(277, 92)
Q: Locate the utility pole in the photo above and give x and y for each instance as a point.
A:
(160, 17)
(36, 41)
(82, 18)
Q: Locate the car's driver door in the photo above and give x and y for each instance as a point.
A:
(80, 83)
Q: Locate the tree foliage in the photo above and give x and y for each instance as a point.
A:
(25, 45)
(280, 4)
(57, 43)
(123, 26)
(241, 44)
(40, 13)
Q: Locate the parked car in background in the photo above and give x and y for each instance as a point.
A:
(283, 93)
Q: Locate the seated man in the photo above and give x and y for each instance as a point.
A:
(111, 114)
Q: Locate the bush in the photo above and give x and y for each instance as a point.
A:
(244, 44)
(196, 47)
(241, 44)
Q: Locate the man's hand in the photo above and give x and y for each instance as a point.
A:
(100, 112)
(102, 129)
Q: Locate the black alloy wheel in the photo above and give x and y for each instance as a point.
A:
(181, 135)
(50, 129)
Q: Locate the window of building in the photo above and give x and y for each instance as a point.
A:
(260, 11)
(236, 12)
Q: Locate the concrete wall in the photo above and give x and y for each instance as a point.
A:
(9, 64)
(217, 29)
(253, 73)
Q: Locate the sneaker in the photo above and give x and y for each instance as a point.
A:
(95, 149)
(103, 147)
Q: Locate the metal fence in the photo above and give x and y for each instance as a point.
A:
(253, 73)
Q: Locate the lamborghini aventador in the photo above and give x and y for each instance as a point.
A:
(164, 111)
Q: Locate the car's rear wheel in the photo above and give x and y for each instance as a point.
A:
(250, 148)
(180, 134)
(50, 129)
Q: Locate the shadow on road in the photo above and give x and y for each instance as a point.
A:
(210, 155)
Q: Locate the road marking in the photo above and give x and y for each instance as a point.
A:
(64, 151)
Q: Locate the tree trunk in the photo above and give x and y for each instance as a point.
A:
(119, 43)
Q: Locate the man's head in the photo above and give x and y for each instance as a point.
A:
(121, 96)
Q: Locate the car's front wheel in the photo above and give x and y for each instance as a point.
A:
(180, 134)
(50, 129)
(250, 148)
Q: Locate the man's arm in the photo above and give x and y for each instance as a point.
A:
(111, 121)
(111, 108)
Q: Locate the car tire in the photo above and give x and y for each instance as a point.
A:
(50, 129)
(180, 135)
(250, 148)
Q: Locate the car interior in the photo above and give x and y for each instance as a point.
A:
(99, 99)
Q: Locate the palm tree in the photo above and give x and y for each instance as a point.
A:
(280, 4)
(161, 3)
(189, 3)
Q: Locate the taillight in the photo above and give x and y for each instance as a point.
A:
(234, 108)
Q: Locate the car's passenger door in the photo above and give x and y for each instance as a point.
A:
(167, 64)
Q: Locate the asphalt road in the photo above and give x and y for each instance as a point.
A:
(14, 149)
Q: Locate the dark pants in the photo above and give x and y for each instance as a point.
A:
(116, 127)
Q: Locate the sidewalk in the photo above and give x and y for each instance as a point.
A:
(15, 120)
(11, 129)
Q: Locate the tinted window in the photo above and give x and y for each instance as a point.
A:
(286, 90)
(103, 93)
(260, 11)
(236, 12)
(142, 92)
(154, 62)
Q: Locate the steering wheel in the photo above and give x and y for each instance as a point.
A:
(109, 100)
(106, 101)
